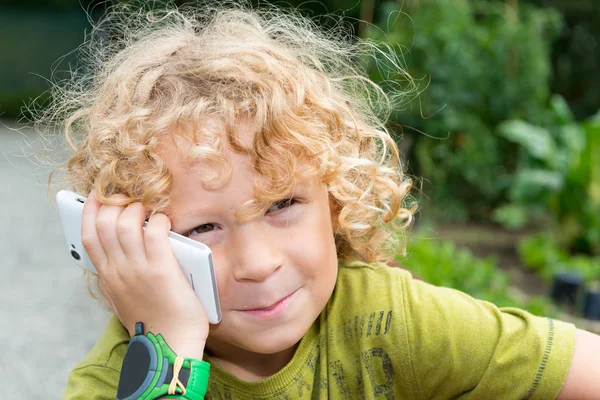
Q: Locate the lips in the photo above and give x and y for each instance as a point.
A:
(269, 307)
(272, 306)
(272, 310)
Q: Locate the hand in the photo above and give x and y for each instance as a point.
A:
(140, 276)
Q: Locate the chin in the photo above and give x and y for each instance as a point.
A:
(275, 340)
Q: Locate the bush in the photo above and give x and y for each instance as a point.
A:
(575, 60)
(442, 263)
(542, 253)
(557, 175)
(477, 68)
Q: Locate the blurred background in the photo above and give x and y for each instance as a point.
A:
(501, 134)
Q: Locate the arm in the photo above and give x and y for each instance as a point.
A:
(140, 276)
(583, 380)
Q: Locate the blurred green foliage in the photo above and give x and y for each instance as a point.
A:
(442, 263)
(557, 177)
(541, 253)
(478, 68)
(492, 140)
(575, 60)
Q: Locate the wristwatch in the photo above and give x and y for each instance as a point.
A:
(152, 370)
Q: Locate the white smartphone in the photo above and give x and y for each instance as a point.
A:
(195, 258)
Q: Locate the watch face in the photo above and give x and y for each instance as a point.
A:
(139, 367)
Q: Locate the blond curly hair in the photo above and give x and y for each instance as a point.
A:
(146, 73)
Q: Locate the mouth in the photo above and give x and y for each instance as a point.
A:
(272, 310)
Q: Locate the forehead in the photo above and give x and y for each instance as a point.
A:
(191, 197)
(203, 157)
(206, 146)
(222, 179)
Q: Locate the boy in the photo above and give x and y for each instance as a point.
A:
(257, 136)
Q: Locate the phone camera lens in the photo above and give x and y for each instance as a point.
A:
(75, 255)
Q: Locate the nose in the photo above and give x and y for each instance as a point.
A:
(255, 253)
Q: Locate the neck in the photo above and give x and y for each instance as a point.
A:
(247, 365)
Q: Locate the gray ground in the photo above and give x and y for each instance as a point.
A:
(47, 321)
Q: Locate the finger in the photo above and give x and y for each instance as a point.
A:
(106, 227)
(130, 232)
(156, 239)
(89, 236)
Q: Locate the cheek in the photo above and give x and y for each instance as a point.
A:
(313, 247)
(321, 267)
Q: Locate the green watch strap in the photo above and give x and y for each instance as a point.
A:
(147, 374)
(197, 383)
(199, 372)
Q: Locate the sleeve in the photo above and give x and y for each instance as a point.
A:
(97, 376)
(470, 349)
(92, 382)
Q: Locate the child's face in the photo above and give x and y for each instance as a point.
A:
(285, 258)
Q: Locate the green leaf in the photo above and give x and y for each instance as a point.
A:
(592, 132)
(531, 184)
(537, 141)
(511, 216)
(574, 138)
(562, 110)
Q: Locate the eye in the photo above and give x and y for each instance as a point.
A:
(281, 204)
(201, 229)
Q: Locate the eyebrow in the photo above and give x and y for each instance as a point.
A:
(181, 218)
(200, 211)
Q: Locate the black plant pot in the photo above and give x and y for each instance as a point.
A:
(566, 287)
(591, 305)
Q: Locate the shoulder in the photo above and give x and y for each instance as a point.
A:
(367, 308)
(452, 342)
(372, 285)
(97, 375)
(358, 274)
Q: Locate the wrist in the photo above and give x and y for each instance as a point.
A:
(186, 348)
(153, 368)
(185, 341)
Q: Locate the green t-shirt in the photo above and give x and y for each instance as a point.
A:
(384, 335)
